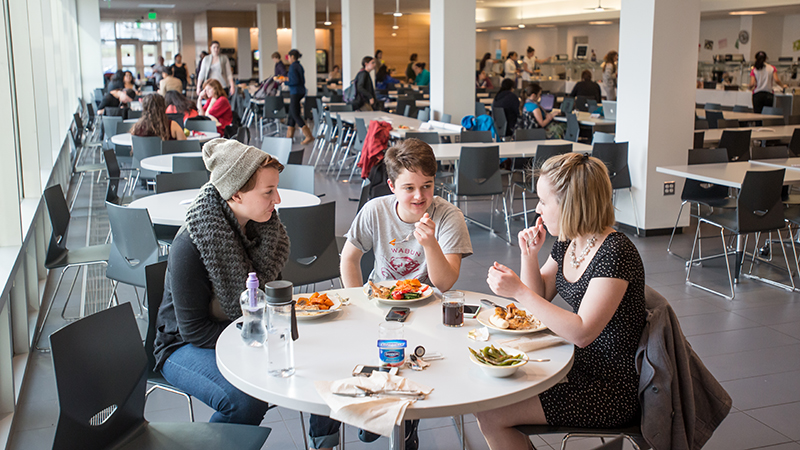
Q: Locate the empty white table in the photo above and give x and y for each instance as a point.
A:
(126, 139)
(163, 163)
(397, 121)
(737, 115)
(756, 133)
(330, 347)
(513, 149)
(170, 208)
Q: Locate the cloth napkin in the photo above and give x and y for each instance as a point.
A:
(376, 414)
(529, 344)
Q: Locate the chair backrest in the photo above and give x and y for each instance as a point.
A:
(100, 369)
(714, 106)
(772, 111)
(402, 105)
(615, 156)
(134, 246)
(599, 136)
(122, 127)
(707, 156)
(422, 115)
(759, 205)
(168, 182)
(567, 105)
(500, 122)
(274, 107)
(363, 198)
(582, 103)
(58, 211)
(738, 144)
(296, 156)
(187, 146)
(110, 125)
(701, 124)
(431, 137)
(480, 109)
(530, 134)
(725, 123)
(340, 108)
(176, 117)
(699, 139)
(131, 114)
(144, 147)
(573, 128)
(278, 147)
(447, 118)
(772, 122)
(297, 177)
(476, 136)
(794, 144)
(242, 135)
(313, 256)
(154, 275)
(695, 189)
(713, 117)
(337, 98)
(478, 171)
(182, 164)
(114, 174)
(195, 124)
(742, 108)
(793, 119)
(773, 152)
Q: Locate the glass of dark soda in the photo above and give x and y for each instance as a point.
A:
(453, 308)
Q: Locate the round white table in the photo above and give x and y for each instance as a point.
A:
(170, 208)
(126, 139)
(330, 347)
(163, 163)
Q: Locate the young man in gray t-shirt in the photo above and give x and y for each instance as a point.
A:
(437, 233)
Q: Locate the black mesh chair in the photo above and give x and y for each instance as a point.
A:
(615, 156)
(573, 128)
(476, 137)
(500, 123)
(703, 194)
(59, 256)
(737, 142)
(427, 137)
(530, 134)
(101, 373)
(713, 117)
(759, 208)
(187, 146)
(314, 255)
(699, 139)
(794, 144)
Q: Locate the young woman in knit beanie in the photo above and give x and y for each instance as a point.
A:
(231, 229)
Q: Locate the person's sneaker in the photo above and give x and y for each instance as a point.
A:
(366, 436)
(412, 439)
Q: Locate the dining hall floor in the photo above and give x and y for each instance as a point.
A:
(751, 344)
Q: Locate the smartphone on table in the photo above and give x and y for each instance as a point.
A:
(471, 311)
(365, 371)
(397, 314)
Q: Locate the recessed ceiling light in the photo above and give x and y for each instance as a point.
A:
(522, 25)
(395, 27)
(601, 22)
(480, 30)
(746, 13)
(394, 34)
(509, 28)
(327, 23)
(545, 26)
(398, 14)
(156, 6)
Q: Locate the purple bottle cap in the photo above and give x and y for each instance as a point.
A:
(252, 281)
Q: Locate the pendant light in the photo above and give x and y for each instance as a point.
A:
(395, 26)
(397, 12)
(521, 25)
(327, 14)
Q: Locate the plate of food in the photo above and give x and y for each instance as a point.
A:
(512, 320)
(316, 305)
(398, 293)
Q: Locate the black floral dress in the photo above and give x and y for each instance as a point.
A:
(601, 388)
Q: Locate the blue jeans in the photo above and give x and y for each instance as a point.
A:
(323, 431)
(194, 371)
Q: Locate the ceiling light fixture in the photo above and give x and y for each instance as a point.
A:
(746, 13)
(397, 12)
(599, 8)
(284, 22)
(480, 30)
(327, 22)
(601, 22)
(521, 25)
(545, 26)
(395, 27)
(509, 28)
(154, 5)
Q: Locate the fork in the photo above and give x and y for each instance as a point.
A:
(407, 237)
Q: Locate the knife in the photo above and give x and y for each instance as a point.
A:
(492, 304)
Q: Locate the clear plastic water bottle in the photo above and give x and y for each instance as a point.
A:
(254, 302)
(281, 329)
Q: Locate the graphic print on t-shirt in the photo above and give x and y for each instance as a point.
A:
(401, 264)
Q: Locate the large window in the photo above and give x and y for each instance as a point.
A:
(136, 45)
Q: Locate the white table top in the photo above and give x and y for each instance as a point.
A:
(513, 149)
(585, 118)
(727, 174)
(783, 163)
(125, 138)
(163, 163)
(330, 347)
(170, 208)
(393, 104)
(735, 115)
(758, 133)
(396, 121)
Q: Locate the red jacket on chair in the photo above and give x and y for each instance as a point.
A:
(374, 144)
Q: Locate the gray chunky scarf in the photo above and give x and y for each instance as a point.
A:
(229, 254)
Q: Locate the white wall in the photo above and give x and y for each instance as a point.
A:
(602, 38)
(714, 30)
(791, 33)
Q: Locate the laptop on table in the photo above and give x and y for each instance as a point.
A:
(609, 110)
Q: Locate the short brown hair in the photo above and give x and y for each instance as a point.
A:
(219, 91)
(276, 55)
(412, 155)
(583, 190)
(270, 162)
(586, 75)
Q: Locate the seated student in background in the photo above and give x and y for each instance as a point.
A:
(217, 106)
(423, 77)
(117, 100)
(508, 100)
(483, 81)
(599, 273)
(384, 79)
(178, 103)
(433, 253)
(169, 82)
(587, 88)
(533, 116)
(335, 75)
(155, 122)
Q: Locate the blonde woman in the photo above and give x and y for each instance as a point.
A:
(599, 273)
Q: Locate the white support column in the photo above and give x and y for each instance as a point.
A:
(655, 93)
(303, 23)
(10, 225)
(358, 36)
(244, 58)
(40, 80)
(267, 18)
(452, 56)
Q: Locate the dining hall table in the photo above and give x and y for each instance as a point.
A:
(737, 115)
(329, 348)
(779, 132)
(163, 163)
(398, 121)
(511, 149)
(127, 140)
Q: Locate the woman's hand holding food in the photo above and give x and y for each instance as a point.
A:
(531, 239)
(425, 231)
(504, 282)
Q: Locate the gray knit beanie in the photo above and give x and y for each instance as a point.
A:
(231, 164)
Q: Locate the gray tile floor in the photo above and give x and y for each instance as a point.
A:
(751, 344)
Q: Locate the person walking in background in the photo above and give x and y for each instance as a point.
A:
(511, 68)
(158, 70)
(179, 70)
(203, 54)
(216, 67)
(763, 77)
(297, 90)
(379, 59)
(365, 98)
(610, 74)
(528, 64)
(411, 75)
(485, 61)
(280, 68)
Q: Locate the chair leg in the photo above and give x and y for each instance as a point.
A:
(77, 191)
(39, 331)
(69, 294)
(174, 391)
(727, 264)
(635, 214)
(508, 225)
(678, 219)
(303, 427)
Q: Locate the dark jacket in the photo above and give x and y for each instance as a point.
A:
(297, 79)
(588, 89)
(280, 69)
(365, 88)
(411, 76)
(682, 403)
(509, 101)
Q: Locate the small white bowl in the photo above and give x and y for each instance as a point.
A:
(501, 371)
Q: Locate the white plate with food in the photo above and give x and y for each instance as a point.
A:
(514, 321)
(398, 293)
(316, 305)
